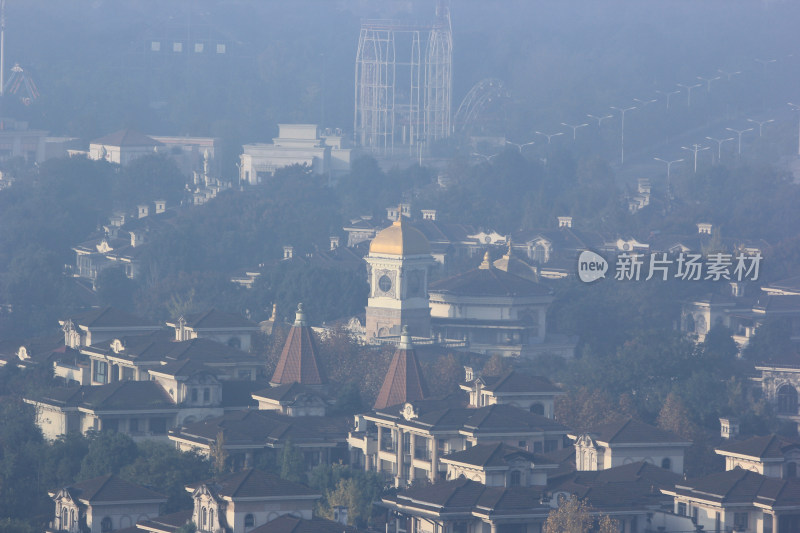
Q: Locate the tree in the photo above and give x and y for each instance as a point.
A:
(219, 455)
(293, 466)
(108, 453)
(576, 516)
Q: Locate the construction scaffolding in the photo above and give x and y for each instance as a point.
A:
(402, 96)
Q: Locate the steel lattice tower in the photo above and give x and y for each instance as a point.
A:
(402, 96)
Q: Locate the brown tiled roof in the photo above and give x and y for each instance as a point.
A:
(167, 523)
(742, 486)
(403, 382)
(490, 455)
(298, 362)
(631, 431)
(515, 382)
(215, 319)
(766, 447)
(288, 392)
(111, 317)
(110, 488)
(253, 483)
(489, 282)
(293, 524)
(127, 137)
(122, 396)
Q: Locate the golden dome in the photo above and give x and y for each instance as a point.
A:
(400, 239)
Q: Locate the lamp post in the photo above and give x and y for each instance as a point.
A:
(728, 75)
(622, 111)
(643, 103)
(708, 81)
(520, 146)
(689, 92)
(550, 135)
(574, 128)
(719, 145)
(739, 133)
(765, 62)
(695, 148)
(669, 165)
(760, 123)
(599, 119)
(668, 94)
(796, 107)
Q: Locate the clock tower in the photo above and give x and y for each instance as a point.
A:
(397, 266)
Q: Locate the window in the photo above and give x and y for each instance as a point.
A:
(249, 520)
(537, 409)
(105, 524)
(666, 463)
(235, 342)
(158, 426)
(787, 400)
(194, 395)
(515, 479)
(198, 48)
(220, 48)
(206, 395)
(204, 519)
(177, 47)
(64, 515)
(244, 374)
(133, 425)
(740, 521)
(537, 447)
(155, 46)
(767, 523)
(522, 444)
(110, 425)
(681, 508)
(100, 372)
(791, 470)
(550, 446)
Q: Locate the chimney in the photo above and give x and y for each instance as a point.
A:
(340, 514)
(161, 206)
(468, 374)
(729, 428)
(704, 228)
(136, 238)
(334, 242)
(143, 210)
(429, 214)
(737, 289)
(564, 222)
(393, 214)
(288, 252)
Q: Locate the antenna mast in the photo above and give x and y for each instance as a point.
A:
(2, 45)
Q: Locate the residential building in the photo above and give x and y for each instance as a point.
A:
(628, 441)
(770, 455)
(102, 325)
(533, 393)
(739, 500)
(123, 146)
(103, 504)
(499, 465)
(225, 328)
(296, 144)
(780, 382)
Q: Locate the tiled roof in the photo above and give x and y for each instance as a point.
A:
(742, 486)
(159, 348)
(283, 393)
(111, 317)
(127, 137)
(631, 431)
(403, 382)
(110, 488)
(291, 524)
(492, 455)
(253, 483)
(214, 319)
(239, 393)
(122, 395)
(488, 282)
(791, 284)
(515, 382)
(298, 362)
(167, 523)
(765, 447)
(265, 428)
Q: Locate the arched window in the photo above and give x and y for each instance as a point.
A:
(537, 409)
(235, 342)
(540, 253)
(249, 520)
(204, 519)
(210, 518)
(64, 514)
(105, 524)
(666, 463)
(515, 479)
(791, 470)
(787, 400)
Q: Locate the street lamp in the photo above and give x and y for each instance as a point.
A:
(643, 103)
(622, 112)
(550, 135)
(486, 158)
(520, 146)
(739, 133)
(669, 165)
(760, 123)
(765, 62)
(668, 94)
(689, 92)
(729, 75)
(719, 145)
(796, 107)
(695, 148)
(708, 81)
(599, 119)
(574, 128)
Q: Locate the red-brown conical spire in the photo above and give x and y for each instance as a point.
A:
(298, 362)
(403, 382)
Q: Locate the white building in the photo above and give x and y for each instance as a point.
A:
(296, 144)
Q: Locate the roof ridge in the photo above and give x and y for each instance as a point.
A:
(247, 475)
(623, 426)
(103, 484)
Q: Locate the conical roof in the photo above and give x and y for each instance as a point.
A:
(298, 362)
(403, 382)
